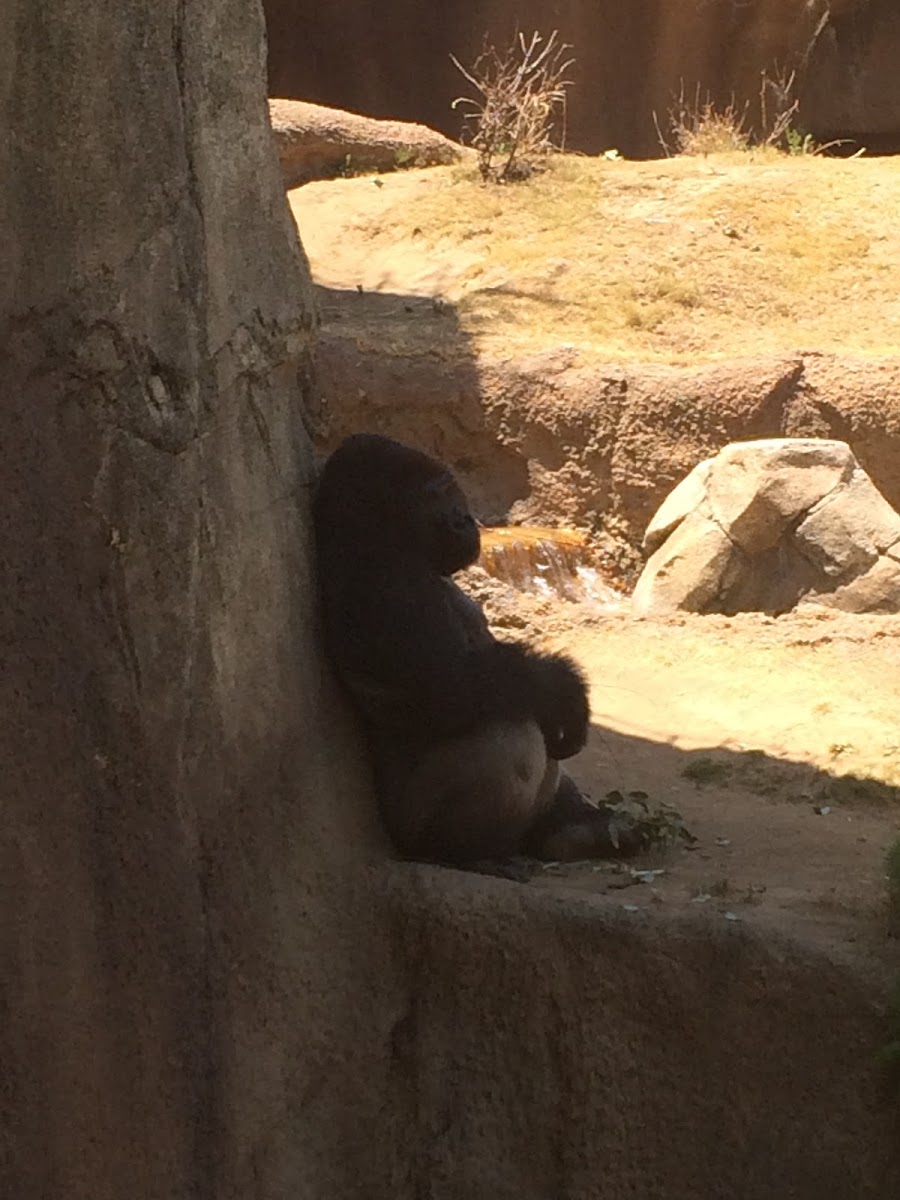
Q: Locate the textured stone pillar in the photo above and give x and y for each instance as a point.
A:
(168, 794)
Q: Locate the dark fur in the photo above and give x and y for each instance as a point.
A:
(420, 664)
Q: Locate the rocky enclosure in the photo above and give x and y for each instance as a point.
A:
(549, 438)
(216, 983)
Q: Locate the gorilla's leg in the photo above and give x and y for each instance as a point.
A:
(469, 798)
(570, 827)
(492, 796)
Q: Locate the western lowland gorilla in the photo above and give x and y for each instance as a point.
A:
(466, 732)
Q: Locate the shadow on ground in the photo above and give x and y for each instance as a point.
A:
(786, 843)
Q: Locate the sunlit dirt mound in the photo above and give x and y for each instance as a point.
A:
(574, 346)
(684, 261)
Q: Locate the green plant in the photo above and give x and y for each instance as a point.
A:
(521, 103)
(660, 824)
(800, 143)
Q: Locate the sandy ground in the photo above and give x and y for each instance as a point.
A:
(677, 260)
(778, 742)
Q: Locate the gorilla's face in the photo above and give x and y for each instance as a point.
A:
(379, 499)
(449, 534)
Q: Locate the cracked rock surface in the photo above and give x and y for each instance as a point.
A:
(768, 525)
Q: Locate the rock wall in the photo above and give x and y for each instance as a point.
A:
(391, 60)
(172, 859)
(554, 438)
(214, 982)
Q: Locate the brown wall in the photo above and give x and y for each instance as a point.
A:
(391, 59)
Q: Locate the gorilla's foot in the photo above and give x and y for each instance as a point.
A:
(572, 827)
(596, 833)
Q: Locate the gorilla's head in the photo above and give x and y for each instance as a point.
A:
(386, 499)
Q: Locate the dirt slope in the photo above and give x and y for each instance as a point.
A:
(680, 261)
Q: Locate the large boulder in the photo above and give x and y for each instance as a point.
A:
(770, 524)
(318, 143)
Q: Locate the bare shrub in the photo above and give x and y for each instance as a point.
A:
(520, 108)
(699, 127)
(778, 106)
(777, 109)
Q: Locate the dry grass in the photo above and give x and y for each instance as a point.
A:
(671, 260)
(699, 127)
(696, 125)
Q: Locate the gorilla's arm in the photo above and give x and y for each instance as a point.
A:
(416, 655)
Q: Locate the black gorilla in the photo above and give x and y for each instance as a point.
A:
(466, 732)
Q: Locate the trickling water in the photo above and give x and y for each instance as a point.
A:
(550, 562)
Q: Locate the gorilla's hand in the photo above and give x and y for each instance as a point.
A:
(563, 711)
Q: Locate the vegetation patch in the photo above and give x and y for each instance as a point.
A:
(517, 115)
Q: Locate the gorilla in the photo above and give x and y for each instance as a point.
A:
(466, 732)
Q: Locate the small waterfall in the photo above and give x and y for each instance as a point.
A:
(549, 562)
